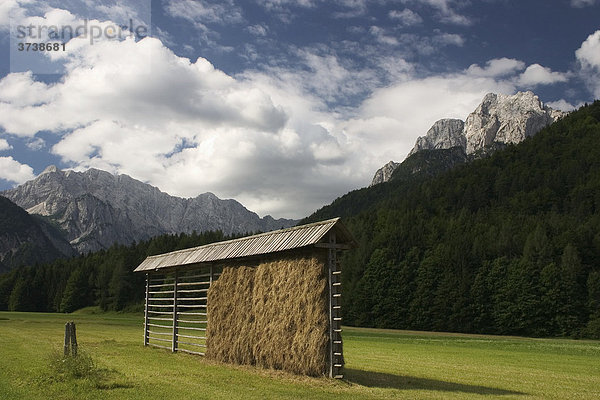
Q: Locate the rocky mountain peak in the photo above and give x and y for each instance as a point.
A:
(444, 134)
(498, 120)
(50, 168)
(384, 173)
(506, 119)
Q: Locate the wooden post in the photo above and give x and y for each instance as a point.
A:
(67, 339)
(73, 340)
(146, 334)
(174, 344)
(330, 267)
(70, 346)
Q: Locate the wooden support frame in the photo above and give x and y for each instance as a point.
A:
(336, 362)
(175, 316)
(176, 306)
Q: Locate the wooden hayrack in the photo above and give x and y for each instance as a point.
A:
(177, 284)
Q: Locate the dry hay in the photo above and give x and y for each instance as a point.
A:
(274, 315)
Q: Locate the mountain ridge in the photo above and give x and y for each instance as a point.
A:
(97, 209)
(497, 121)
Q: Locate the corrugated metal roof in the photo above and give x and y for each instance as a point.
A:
(264, 243)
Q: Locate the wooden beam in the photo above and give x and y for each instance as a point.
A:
(146, 310)
(174, 344)
(330, 267)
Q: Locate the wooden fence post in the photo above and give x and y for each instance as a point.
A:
(70, 346)
(73, 340)
(67, 338)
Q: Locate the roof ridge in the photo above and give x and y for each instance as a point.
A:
(224, 242)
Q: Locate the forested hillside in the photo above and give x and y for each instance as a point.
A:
(508, 244)
(27, 239)
(104, 278)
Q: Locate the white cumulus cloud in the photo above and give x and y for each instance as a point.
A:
(588, 56)
(536, 74)
(497, 67)
(13, 171)
(4, 145)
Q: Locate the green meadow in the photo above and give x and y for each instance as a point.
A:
(380, 364)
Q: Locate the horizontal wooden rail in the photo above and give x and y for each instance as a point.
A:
(158, 345)
(193, 313)
(193, 344)
(162, 285)
(192, 352)
(161, 319)
(191, 337)
(159, 339)
(160, 333)
(161, 326)
(191, 305)
(191, 328)
(187, 321)
(193, 291)
(192, 298)
(193, 283)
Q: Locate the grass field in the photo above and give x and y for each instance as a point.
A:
(380, 364)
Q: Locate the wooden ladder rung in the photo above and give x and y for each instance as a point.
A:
(339, 377)
(337, 365)
(337, 354)
(337, 319)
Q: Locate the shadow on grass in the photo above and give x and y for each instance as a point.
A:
(383, 380)
(108, 379)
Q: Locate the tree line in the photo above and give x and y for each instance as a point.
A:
(104, 278)
(509, 244)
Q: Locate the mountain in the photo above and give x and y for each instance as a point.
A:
(506, 244)
(97, 209)
(507, 120)
(444, 134)
(384, 173)
(499, 120)
(26, 239)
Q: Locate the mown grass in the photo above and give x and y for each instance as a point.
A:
(380, 364)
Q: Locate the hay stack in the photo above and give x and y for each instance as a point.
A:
(274, 315)
(229, 304)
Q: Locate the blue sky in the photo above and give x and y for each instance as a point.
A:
(283, 105)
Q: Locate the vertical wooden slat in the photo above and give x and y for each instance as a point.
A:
(174, 344)
(146, 310)
(330, 268)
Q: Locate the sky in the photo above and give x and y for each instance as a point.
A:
(282, 105)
